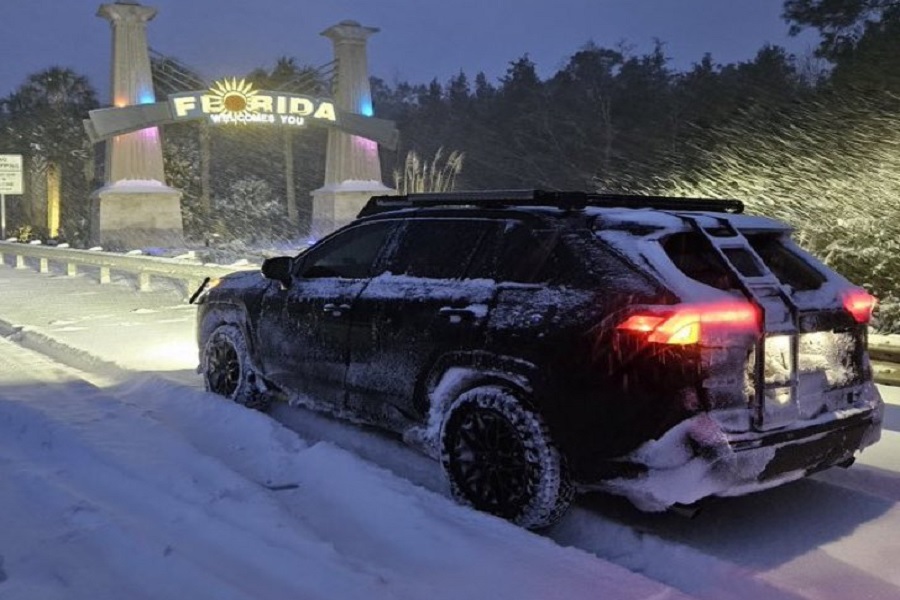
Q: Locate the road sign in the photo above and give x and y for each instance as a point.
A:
(10, 173)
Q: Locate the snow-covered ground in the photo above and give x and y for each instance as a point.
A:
(121, 478)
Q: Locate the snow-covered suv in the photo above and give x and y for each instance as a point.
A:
(540, 343)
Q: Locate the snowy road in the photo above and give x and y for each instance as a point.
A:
(830, 537)
(152, 486)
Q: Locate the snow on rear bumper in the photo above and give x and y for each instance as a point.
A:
(697, 458)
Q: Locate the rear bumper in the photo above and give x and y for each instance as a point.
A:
(696, 458)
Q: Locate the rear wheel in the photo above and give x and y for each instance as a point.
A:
(499, 458)
(227, 369)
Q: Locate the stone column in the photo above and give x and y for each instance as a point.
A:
(352, 167)
(135, 208)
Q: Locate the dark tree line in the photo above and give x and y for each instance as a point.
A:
(607, 119)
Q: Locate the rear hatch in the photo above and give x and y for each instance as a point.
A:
(804, 358)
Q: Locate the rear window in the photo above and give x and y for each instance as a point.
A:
(698, 259)
(695, 257)
(788, 266)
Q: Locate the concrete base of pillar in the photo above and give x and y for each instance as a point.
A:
(134, 215)
(338, 204)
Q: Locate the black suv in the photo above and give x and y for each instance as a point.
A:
(539, 343)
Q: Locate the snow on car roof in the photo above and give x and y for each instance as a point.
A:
(624, 217)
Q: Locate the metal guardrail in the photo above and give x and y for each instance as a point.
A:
(886, 363)
(883, 353)
(191, 274)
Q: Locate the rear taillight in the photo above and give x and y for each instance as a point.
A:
(684, 324)
(859, 303)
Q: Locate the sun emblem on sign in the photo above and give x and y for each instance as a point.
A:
(234, 95)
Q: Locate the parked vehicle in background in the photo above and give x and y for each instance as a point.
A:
(539, 343)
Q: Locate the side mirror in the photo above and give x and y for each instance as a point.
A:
(279, 269)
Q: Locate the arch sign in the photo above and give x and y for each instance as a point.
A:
(236, 102)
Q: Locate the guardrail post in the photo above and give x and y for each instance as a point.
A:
(144, 281)
(45, 266)
(20, 261)
(71, 269)
(104, 275)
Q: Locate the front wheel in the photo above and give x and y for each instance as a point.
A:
(227, 369)
(499, 458)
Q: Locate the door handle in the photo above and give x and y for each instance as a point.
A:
(335, 310)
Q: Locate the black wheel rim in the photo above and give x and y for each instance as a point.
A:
(223, 369)
(488, 463)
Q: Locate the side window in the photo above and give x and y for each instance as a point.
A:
(437, 248)
(350, 254)
(515, 252)
(529, 255)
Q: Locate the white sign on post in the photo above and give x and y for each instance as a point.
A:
(10, 183)
(10, 173)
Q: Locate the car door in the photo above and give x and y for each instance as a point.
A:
(421, 306)
(304, 329)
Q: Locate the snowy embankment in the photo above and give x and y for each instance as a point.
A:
(149, 489)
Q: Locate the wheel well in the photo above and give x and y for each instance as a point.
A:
(217, 316)
(457, 373)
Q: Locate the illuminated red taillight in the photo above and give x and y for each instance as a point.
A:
(860, 304)
(684, 324)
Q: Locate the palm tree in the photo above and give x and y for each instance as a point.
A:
(44, 121)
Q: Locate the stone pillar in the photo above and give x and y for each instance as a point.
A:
(352, 167)
(135, 208)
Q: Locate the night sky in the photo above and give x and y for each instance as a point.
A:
(419, 39)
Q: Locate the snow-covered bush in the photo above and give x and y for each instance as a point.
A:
(249, 212)
(830, 170)
(887, 315)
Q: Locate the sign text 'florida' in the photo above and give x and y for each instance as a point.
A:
(235, 101)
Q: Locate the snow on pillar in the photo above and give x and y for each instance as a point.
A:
(352, 167)
(135, 207)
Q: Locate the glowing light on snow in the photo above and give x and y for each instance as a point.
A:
(170, 356)
(366, 109)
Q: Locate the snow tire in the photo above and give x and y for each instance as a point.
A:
(499, 458)
(227, 369)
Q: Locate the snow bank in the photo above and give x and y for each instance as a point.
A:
(149, 489)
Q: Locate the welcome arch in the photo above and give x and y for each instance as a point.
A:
(135, 207)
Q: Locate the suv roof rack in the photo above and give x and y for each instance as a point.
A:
(564, 200)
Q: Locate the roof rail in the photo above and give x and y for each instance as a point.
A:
(566, 200)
